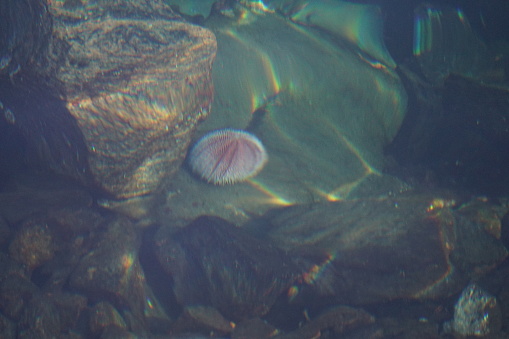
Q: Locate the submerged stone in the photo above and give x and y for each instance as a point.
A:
(214, 263)
(193, 7)
(114, 332)
(458, 133)
(254, 328)
(475, 314)
(202, 319)
(111, 270)
(34, 243)
(70, 307)
(40, 319)
(77, 219)
(16, 289)
(15, 293)
(359, 24)
(7, 328)
(409, 246)
(445, 43)
(323, 109)
(338, 321)
(104, 315)
(108, 92)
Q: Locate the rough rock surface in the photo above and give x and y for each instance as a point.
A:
(112, 269)
(214, 263)
(114, 89)
(410, 246)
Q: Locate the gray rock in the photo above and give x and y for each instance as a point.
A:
(254, 328)
(201, 319)
(111, 271)
(16, 289)
(7, 328)
(34, 242)
(214, 263)
(323, 109)
(338, 320)
(193, 7)
(40, 320)
(476, 313)
(70, 307)
(103, 315)
(114, 332)
(372, 250)
(456, 49)
(77, 219)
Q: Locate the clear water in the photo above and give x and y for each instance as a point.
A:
(381, 211)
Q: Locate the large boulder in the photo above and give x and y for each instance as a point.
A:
(108, 92)
(409, 246)
(316, 96)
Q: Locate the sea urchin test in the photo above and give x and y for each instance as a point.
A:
(227, 156)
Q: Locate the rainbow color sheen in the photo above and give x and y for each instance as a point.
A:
(227, 156)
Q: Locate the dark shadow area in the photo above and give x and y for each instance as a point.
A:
(38, 131)
(158, 280)
(12, 151)
(457, 136)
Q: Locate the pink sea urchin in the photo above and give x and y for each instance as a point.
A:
(227, 156)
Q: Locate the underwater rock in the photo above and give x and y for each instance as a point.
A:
(40, 320)
(10, 267)
(303, 85)
(114, 89)
(254, 328)
(77, 219)
(34, 242)
(103, 315)
(16, 289)
(359, 24)
(69, 306)
(7, 328)
(193, 7)
(114, 332)
(15, 293)
(111, 270)
(213, 263)
(475, 314)
(371, 250)
(323, 109)
(72, 335)
(445, 43)
(201, 319)
(464, 140)
(339, 320)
